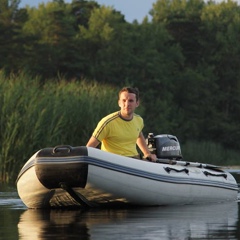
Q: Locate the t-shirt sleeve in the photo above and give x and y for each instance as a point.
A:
(101, 131)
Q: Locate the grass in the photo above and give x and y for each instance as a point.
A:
(35, 117)
(209, 152)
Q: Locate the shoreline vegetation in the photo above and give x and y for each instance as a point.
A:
(62, 64)
(36, 116)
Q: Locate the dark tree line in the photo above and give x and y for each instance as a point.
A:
(185, 60)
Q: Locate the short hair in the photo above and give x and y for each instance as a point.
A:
(130, 90)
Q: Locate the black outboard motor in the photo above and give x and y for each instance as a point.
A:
(164, 146)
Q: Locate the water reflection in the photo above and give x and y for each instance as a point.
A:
(216, 221)
(41, 224)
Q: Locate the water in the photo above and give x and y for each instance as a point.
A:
(210, 221)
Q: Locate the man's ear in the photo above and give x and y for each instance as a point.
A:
(119, 103)
(137, 103)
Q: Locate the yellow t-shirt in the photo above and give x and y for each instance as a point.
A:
(119, 135)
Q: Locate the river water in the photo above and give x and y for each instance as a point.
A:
(210, 221)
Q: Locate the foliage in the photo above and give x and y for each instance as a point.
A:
(209, 152)
(35, 117)
(185, 61)
(222, 33)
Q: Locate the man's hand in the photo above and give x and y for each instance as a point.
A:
(151, 157)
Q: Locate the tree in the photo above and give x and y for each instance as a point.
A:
(182, 19)
(100, 42)
(10, 30)
(52, 50)
(82, 10)
(221, 51)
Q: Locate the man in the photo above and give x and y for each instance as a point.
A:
(119, 132)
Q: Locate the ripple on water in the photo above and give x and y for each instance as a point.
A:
(10, 199)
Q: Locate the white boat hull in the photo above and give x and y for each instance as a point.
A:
(94, 178)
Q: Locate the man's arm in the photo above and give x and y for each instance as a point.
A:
(141, 142)
(93, 142)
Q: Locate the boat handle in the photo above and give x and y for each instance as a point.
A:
(62, 147)
(216, 175)
(169, 169)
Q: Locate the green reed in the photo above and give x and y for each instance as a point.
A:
(209, 152)
(35, 116)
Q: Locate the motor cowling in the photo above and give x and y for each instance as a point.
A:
(164, 146)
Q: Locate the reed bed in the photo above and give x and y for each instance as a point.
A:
(209, 152)
(35, 116)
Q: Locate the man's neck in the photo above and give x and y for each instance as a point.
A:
(126, 117)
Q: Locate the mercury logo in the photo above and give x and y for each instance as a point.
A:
(170, 148)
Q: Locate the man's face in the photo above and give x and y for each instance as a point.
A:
(128, 103)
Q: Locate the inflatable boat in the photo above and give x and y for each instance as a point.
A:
(84, 177)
